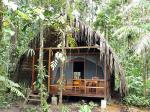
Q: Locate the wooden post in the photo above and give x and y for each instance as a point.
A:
(84, 66)
(49, 69)
(96, 65)
(105, 77)
(33, 73)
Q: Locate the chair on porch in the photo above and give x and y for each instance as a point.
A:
(95, 84)
(68, 86)
(92, 83)
(76, 85)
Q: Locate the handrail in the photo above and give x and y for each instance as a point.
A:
(84, 79)
(85, 87)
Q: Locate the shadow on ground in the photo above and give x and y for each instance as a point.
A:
(73, 104)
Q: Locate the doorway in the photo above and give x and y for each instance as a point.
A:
(78, 67)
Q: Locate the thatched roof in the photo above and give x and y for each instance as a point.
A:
(85, 36)
(92, 38)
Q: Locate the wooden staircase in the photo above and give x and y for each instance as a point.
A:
(32, 97)
(27, 64)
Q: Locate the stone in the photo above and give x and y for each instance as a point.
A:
(54, 100)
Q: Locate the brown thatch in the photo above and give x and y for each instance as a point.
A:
(85, 36)
(89, 37)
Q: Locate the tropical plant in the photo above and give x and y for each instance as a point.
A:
(124, 23)
(126, 26)
(87, 107)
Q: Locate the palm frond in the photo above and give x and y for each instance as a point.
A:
(30, 52)
(125, 30)
(143, 44)
(129, 8)
(14, 87)
(144, 19)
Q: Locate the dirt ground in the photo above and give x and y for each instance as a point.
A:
(74, 108)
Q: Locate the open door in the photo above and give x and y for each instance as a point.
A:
(78, 67)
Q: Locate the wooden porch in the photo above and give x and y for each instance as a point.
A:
(83, 87)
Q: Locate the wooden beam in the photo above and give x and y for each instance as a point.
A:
(105, 77)
(82, 47)
(96, 65)
(33, 73)
(84, 66)
(49, 69)
(83, 54)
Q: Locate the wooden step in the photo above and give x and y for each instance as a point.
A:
(26, 69)
(36, 100)
(26, 65)
(33, 95)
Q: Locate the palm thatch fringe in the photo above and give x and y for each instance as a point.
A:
(90, 37)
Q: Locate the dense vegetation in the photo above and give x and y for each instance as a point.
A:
(124, 23)
(126, 26)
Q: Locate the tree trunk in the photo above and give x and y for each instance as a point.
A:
(13, 52)
(41, 73)
(64, 54)
(62, 68)
(1, 19)
(41, 67)
(61, 80)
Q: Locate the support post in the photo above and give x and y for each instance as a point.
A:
(96, 66)
(105, 77)
(33, 73)
(49, 70)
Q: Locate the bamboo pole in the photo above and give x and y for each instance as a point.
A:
(49, 70)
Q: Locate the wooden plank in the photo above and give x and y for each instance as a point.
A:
(49, 70)
(105, 92)
(75, 89)
(84, 66)
(84, 95)
(82, 47)
(82, 54)
(33, 73)
(96, 66)
(33, 95)
(37, 100)
(85, 86)
(95, 87)
(89, 80)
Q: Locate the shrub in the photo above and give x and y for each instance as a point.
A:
(139, 101)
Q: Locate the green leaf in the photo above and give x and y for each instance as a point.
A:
(9, 31)
(23, 15)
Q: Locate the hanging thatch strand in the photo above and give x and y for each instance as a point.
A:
(91, 38)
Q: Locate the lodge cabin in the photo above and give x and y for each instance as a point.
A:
(90, 67)
(84, 73)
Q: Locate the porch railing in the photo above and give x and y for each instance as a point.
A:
(81, 87)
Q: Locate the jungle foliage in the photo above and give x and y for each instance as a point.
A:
(124, 23)
(126, 27)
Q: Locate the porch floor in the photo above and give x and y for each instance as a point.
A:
(82, 87)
